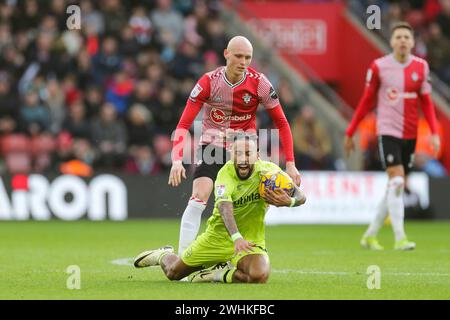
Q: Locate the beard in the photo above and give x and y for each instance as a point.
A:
(244, 171)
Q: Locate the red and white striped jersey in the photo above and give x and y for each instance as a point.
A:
(396, 90)
(226, 105)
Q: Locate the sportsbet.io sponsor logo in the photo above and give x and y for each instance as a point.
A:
(67, 197)
(393, 95)
(219, 117)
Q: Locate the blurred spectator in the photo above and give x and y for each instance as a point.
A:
(71, 91)
(107, 61)
(27, 15)
(368, 143)
(5, 36)
(142, 161)
(129, 46)
(211, 61)
(143, 92)
(139, 128)
(312, 145)
(438, 52)
(93, 101)
(83, 151)
(9, 113)
(155, 74)
(215, 38)
(165, 111)
(187, 62)
(54, 101)
(429, 165)
(288, 100)
(110, 137)
(34, 116)
(168, 22)
(63, 152)
(443, 18)
(58, 10)
(42, 147)
(424, 159)
(91, 18)
(141, 26)
(114, 14)
(76, 123)
(163, 150)
(395, 14)
(119, 91)
(190, 31)
(83, 67)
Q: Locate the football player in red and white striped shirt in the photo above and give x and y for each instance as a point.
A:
(396, 84)
(229, 97)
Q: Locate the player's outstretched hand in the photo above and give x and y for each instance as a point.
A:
(349, 145)
(243, 245)
(435, 144)
(278, 198)
(292, 171)
(176, 172)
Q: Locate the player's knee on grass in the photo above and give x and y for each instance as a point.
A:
(177, 270)
(258, 276)
(173, 274)
(256, 268)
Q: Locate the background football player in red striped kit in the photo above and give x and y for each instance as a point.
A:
(229, 97)
(396, 84)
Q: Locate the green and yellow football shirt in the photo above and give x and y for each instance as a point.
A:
(249, 209)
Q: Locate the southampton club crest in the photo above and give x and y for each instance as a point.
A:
(415, 76)
(246, 98)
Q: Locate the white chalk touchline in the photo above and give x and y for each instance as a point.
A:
(129, 262)
(435, 274)
(123, 261)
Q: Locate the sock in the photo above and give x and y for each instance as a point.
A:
(190, 223)
(224, 275)
(162, 255)
(395, 205)
(379, 218)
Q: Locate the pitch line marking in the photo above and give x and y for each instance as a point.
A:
(123, 262)
(345, 273)
(129, 262)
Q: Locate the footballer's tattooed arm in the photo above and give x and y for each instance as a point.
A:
(226, 211)
(240, 244)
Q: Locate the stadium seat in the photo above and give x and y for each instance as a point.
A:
(162, 145)
(18, 162)
(15, 143)
(43, 143)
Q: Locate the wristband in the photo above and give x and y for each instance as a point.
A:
(236, 236)
(293, 202)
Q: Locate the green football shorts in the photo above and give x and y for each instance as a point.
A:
(208, 250)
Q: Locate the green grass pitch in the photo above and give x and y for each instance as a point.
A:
(308, 262)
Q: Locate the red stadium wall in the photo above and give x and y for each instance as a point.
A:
(320, 36)
(302, 30)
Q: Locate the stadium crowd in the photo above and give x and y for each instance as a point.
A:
(107, 96)
(431, 22)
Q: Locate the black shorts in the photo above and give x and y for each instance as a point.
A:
(395, 151)
(211, 160)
